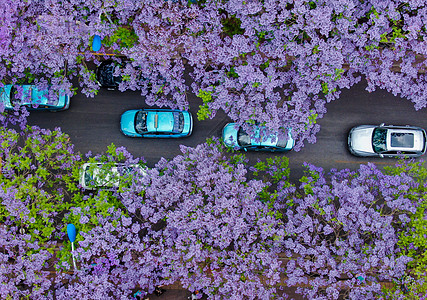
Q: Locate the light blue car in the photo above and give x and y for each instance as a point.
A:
(32, 98)
(156, 123)
(235, 137)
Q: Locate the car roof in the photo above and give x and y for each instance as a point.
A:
(258, 138)
(405, 139)
(161, 121)
(111, 174)
(31, 94)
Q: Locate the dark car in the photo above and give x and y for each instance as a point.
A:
(105, 74)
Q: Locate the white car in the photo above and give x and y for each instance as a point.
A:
(108, 175)
(387, 141)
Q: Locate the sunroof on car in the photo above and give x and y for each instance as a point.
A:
(402, 140)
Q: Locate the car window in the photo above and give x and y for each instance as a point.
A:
(178, 122)
(402, 140)
(243, 139)
(141, 122)
(379, 140)
(14, 96)
(88, 175)
(282, 141)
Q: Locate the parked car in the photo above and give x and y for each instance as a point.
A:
(107, 175)
(32, 98)
(105, 74)
(156, 123)
(387, 141)
(235, 137)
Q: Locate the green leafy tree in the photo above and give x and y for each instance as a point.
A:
(36, 179)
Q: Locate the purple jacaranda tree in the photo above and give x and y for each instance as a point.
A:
(24, 264)
(342, 231)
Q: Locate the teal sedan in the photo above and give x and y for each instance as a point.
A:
(156, 123)
(32, 98)
(235, 137)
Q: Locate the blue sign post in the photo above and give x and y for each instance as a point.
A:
(96, 43)
(71, 231)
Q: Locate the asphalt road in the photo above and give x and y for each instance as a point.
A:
(93, 124)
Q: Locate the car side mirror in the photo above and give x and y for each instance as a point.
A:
(382, 124)
(382, 155)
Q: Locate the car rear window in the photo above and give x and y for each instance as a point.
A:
(178, 122)
(402, 140)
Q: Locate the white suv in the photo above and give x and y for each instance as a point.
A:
(387, 141)
(108, 175)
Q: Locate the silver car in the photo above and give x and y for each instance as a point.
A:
(387, 141)
(108, 176)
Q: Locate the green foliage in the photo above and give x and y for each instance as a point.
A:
(325, 89)
(312, 4)
(125, 37)
(372, 46)
(312, 119)
(277, 168)
(315, 49)
(231, 26)
(265, 65)
(338, 73)
(40, 167)
(272, 171)
(262, 38)
(204, 110)
(308, 180)
(232, 73)
(112, 150)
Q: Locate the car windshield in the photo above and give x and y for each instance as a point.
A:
(402, 140)
(88, 175)
(243, 139)
(14, 99)
(178, 122)
(141, 122)
(379, 140)
(282, 140)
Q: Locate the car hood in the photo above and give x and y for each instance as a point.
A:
(127, 122)
(361, 139)
(229, 134)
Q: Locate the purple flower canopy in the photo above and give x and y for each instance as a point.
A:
(198, 219)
